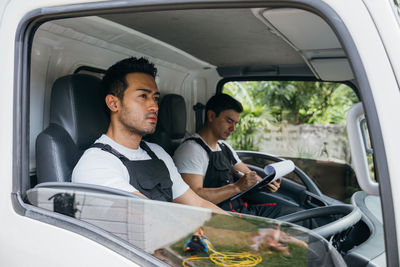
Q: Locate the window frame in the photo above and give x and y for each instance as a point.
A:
(20, 159)
(396, 9)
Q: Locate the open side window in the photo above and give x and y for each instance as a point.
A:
(65, 207)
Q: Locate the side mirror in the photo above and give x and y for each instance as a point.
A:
(359, 147)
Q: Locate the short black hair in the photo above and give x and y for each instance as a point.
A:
(114, 80)
(222, 102)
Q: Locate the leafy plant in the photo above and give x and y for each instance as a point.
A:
(267, 103)
(253, 118)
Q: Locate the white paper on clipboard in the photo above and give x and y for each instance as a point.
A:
(273, 172)
(280, 169)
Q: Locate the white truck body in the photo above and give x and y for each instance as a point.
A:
(369, 32)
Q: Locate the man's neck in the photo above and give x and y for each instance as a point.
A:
(208, 137)
(127, 139)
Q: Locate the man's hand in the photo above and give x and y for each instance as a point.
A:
(241, 168)
(247, 180)
(274, 186)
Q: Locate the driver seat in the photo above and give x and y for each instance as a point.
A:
(77, 118)
(171, 125)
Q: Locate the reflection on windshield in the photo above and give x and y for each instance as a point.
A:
(190, 236)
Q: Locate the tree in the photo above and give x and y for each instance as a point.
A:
(253, 118)
(296, 102)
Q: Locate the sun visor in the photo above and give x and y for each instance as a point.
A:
(308, 31)
(332, 69)
(312, 38)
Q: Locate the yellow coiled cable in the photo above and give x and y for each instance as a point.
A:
(231, 259)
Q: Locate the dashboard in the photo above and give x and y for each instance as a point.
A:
(366, 239)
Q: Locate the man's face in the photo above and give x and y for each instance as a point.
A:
(224, 125)
(139, 106)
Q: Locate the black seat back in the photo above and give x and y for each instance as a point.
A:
(171, 126)
(77, 118)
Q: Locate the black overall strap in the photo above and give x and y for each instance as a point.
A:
(146, 148)
(111, 150)
(201, 143)
(150, 177)
(223, 147)
(228, 151)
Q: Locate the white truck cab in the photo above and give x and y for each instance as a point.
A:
(53, 55)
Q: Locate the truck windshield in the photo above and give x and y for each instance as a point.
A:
(179, 234)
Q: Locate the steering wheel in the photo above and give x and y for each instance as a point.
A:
(352, 216)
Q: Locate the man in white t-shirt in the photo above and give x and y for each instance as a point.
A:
(120, 158)
(207, 163)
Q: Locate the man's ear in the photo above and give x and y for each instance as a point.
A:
(211, 115)
(112, 103)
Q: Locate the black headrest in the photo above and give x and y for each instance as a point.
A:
(172, 116)
(77, 105)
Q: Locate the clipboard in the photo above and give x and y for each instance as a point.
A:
(273, 172)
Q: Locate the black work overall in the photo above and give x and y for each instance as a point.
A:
(150, 177)
(219, 174)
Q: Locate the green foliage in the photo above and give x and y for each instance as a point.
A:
(267, 103)
(253, 118)
(329, 104)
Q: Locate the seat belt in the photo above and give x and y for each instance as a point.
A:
(198, 109)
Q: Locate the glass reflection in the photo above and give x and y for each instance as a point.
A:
(191, 236)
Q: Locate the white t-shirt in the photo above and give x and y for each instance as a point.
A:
(190, 157)
(103, 168)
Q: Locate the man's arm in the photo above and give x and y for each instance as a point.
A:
(191, 198)
(272, 187)
(217, 195)
(139, 194)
